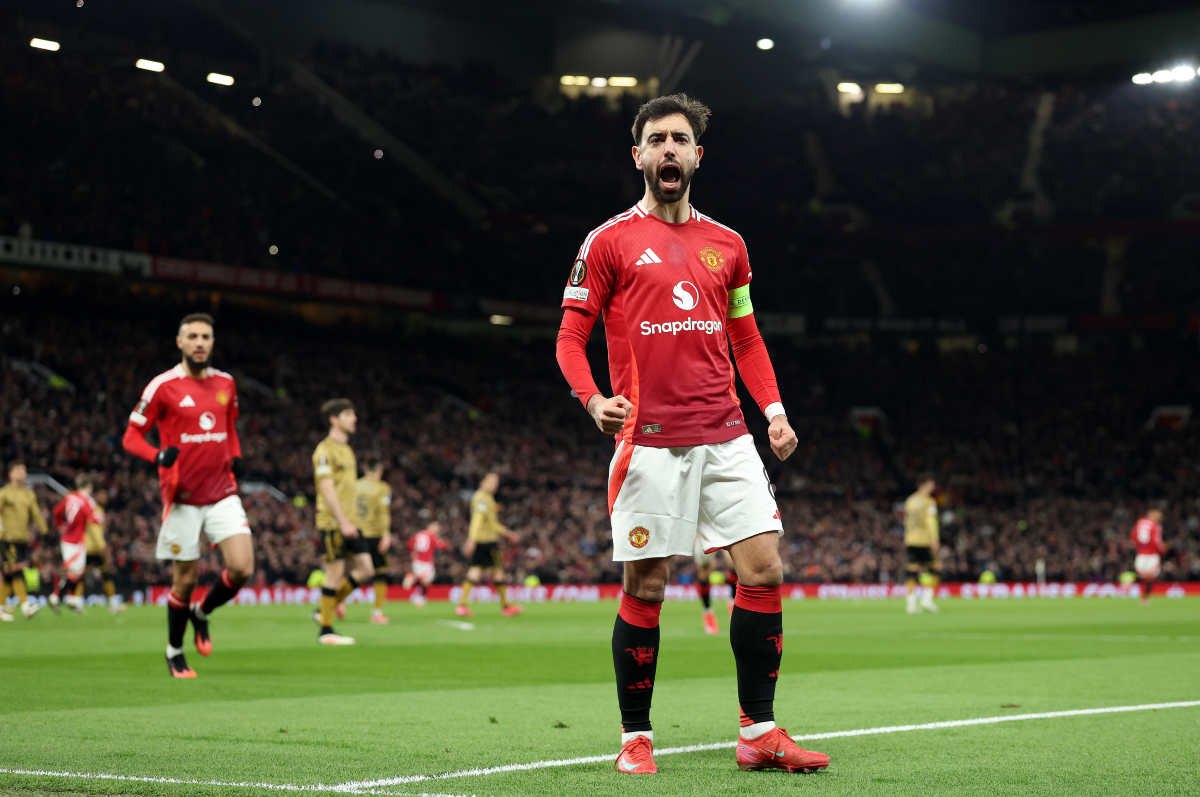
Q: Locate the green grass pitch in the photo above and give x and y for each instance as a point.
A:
(91, 695)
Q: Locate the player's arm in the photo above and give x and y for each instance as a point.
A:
(935, 529)
(141, 420)
(385, 520)
(35, 514)
(754, 366)
(60, 512)
(571, 351)
(236, 466)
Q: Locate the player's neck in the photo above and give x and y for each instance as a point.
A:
(194, 373)
(670, 212)
(16, 484)
(338, 435)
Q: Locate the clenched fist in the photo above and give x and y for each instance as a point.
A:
(610, 414)
(783, 439)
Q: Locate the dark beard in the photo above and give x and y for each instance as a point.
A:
(669, 197)
(196, 366)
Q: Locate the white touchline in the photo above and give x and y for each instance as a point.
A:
(374, 786)
(696, 748)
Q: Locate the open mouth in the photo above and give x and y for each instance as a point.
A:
(670, 176)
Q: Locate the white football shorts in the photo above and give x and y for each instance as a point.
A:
(74, 557)
(662, 500)
(1147, 565)
(701, 558)
(179, 537)
(423, 571)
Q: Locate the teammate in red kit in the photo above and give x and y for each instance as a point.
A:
(1147, 537)
(72, 515)
(671, 284)
(199, 461)
(423, 546)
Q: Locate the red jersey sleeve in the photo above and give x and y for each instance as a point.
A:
(440, 544)
(60, 510)
(571, 352)
(592, 276)
(235, 445)
(144, 416)
(412, 542)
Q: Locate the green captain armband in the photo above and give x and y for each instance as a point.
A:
(739, 303)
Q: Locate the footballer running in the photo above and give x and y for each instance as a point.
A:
(921, 543)
(422, 548)
(672, 284)
(373, 517)
(199, 461)
(1147, 538)
(483, 548)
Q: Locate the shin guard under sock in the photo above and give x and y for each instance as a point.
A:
(756, 636)
(177, 619)
(221, 593)
(635, 659)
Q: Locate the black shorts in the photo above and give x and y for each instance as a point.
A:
(13, 554)
(922, 555)
(487, 554)
(334, 546)
(379, 560)
(95, 560)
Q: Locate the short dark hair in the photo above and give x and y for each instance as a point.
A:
(694, 111)
(14, 464)
(205, 317)
(84, 480)
(927, 476)
(335, 407)
(372, 462)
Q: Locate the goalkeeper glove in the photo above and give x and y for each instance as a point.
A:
(166, 457)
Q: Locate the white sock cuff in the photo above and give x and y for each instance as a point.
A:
(173, 652)
(626, 738)
(757, 729)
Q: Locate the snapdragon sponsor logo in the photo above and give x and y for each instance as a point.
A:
(207, 437)
(687, 325)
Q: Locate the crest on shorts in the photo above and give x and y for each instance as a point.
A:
(639, 537)
(175, 549)
(222, 397)
(578, 273)
(712, 259)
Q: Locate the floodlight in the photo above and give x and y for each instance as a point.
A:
(765, 44)
(501, 320)
(628, 82)
(1183, 73)
(149, 66)
(44, 44)
(1142, 78)
(889, 88)
(849, 88)
(599, 82)
(1163, 76)
(219, 79)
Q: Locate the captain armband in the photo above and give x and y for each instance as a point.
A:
(739, 303)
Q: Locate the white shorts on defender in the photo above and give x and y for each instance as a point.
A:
(666, 498)
(1147, 565)
(424, 572)
(179, 537)
(74, 557)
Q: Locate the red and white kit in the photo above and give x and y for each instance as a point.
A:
(72, 515)
(199, 491)
(422, 547)
(1147, 536)
(685, 464)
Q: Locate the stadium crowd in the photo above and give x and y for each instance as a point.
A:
(1040, 456)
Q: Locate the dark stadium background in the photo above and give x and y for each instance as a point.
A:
(992, 274)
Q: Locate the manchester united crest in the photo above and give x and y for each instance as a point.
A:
(222, 397)
(639, 537)
(712, 259)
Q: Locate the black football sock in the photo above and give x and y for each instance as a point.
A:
(705, 596)
(635, 659)
(221, 593)
(177, 619)
(1147, 588)
(756, 636)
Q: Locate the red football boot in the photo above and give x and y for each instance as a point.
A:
(776, 750)
(710, 623)
(512, 610)
(637, 757)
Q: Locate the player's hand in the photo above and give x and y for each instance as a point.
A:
(513, 536)
(783, 439)
(348, 530)
(166, 457)
(468, 548)
(385, 542)
(238, 468)
(609, 414)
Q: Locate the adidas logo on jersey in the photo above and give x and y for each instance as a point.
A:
(187, 402)
(648, 257)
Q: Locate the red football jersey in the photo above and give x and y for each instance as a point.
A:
(1147, 536)
(72, 515)
(196, 416)
(663, 290)
(424, 545)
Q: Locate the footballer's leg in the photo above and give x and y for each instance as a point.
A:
(705, 564)
(16, 580)
(929, 590)
(474, 574)
(238, 554)
(500, 579)
(379, 561)
(635, 643)
(756, 636)
(183, 581)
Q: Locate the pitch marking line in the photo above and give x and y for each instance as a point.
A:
(696, 748)
(374, 786)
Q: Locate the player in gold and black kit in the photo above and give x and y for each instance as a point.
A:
(99, 558)
(336, 470)
(373, 516)
(483, 546)
(18, 509)
(921, 539)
